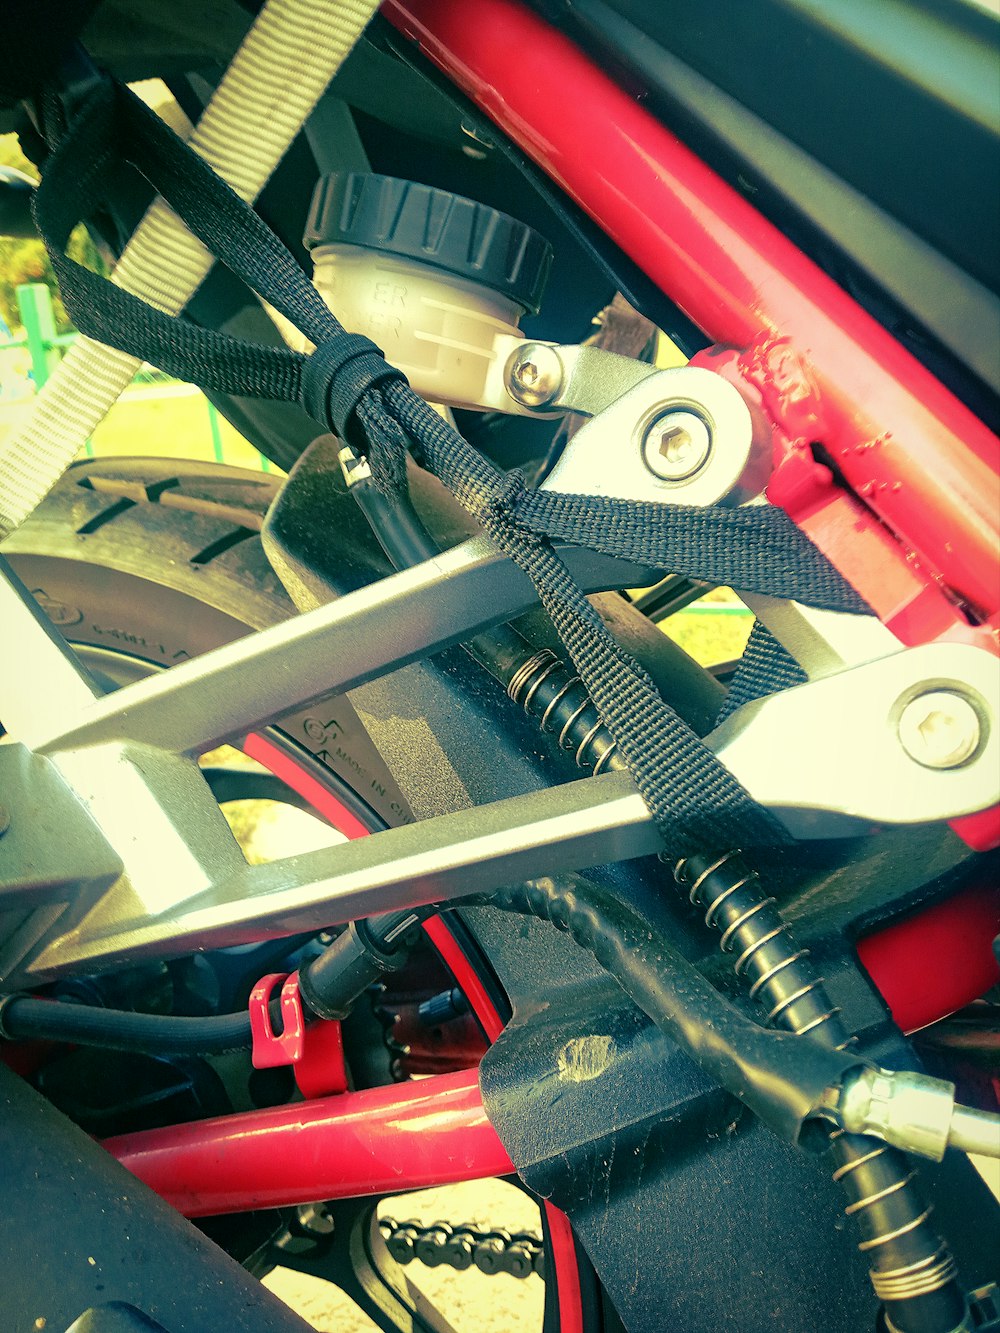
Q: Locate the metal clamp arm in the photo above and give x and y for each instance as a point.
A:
(683, 435)
(851, 766)
(907, 739)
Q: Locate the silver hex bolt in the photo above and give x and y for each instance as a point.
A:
(677, 445)
(534, 375)
(314, 1218)
(939, 729)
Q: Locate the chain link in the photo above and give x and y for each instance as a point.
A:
(462, 1247)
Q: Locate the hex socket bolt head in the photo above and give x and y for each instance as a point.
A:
(534, 375)
(940, 729)
(676, 445)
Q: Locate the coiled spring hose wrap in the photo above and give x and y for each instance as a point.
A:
(912, 1271)
(282, 68)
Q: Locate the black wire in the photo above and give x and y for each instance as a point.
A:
(25, 1018)
(406, 542)
(395, 524)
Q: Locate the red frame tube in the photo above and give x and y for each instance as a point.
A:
(380, 1141)
(563, 1261)
(919, 533)
(929, 965)
(827, 371)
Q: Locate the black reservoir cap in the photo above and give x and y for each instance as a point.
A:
(435, 227)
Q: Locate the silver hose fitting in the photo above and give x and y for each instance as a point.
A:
(909, 1110)
(914, 1112)
(910, 1264)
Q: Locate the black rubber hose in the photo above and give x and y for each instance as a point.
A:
(360, 955)
(780, 1078)
(395, 523)
(912, 1270)
(777, 1083)
(25, 1018)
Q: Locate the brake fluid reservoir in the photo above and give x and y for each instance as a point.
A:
(439, 282)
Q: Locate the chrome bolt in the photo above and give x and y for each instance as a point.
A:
(534, 375)
(353, 467)
(314, 1218)
(940, 729)
(479, 144)
(676, 445)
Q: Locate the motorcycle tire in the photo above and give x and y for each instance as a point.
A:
(141, 563)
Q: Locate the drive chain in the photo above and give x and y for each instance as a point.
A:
(462, 1247)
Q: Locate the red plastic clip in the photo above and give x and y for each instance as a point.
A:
(271, 1049)
(316, 1052)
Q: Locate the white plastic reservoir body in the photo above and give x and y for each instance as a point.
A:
(444, 332)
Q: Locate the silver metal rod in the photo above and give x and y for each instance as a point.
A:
(438, 860)
(975, 1131)
(40, 679)
(363, 635)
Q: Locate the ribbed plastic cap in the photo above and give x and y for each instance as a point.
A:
(457, 235)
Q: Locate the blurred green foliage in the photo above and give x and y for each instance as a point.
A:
(26, 261)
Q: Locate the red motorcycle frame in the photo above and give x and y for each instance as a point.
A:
(916, 533)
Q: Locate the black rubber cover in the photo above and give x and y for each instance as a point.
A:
(78, 1231)
(436, 227)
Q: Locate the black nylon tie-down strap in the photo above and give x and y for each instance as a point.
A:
(347, 386)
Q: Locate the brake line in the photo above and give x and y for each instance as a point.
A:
(282, 68)
(912, 1269)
